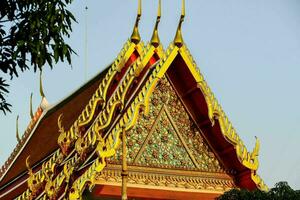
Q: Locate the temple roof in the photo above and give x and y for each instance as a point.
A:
(75, 137)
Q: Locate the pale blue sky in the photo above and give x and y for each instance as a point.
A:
(248, 51)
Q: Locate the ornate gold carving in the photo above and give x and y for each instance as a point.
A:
(64, 140)
(33, 181)
(51, 190)
(162, 179)
(81, 148)
(54, 185)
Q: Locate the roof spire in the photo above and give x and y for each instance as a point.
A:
(17, 130)
(31, 112)
(41, 85)
(135, 37)
(155, 38)
(178, 40)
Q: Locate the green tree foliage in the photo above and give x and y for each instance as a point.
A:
(32, 34)
(281, 191)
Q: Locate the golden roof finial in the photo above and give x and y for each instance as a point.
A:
(155, 38)
(135, 37)
(17, 130)
(178, 40)
(31, 112)
(41, 85)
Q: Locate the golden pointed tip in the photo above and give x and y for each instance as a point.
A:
(183, 8)
(135, 36)
(159, 9)
(140, 8)
(27, 162)
(31, 111)
(155, 41)
(178, 40)
(17, 124)
(41, 85)
(59, 120)
(60, 116)
(17, 130)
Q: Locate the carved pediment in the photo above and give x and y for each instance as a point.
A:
(167, 137)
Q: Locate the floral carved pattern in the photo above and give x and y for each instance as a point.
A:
(167, 137)
(164, 148)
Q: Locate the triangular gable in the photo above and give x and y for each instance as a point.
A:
(167, 137)
(245, 164)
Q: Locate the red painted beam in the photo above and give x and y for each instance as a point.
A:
(145, 193)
